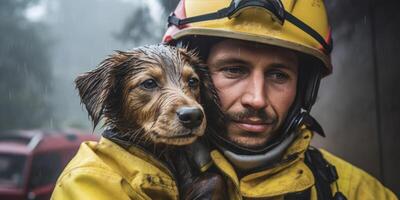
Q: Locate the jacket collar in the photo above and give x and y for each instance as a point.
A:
(288, 175)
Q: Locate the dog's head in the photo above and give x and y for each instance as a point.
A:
(151, 93)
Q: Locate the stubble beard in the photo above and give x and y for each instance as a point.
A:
(252, 140)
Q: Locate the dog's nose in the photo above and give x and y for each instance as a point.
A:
(190, 117)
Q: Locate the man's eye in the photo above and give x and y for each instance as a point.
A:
(233, 72)
(278, 76)
(193, 82)
(149, 84)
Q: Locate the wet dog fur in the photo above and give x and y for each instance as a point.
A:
(138, 94)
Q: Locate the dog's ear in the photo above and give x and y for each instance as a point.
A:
(95, 86)
(208, 95)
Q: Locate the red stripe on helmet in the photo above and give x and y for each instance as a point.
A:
(328, 40)
(179, 12)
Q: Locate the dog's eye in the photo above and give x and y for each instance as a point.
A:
(149, 84)
(193, 82)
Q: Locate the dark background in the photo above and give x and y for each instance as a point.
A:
(359, 105)
(45, 44)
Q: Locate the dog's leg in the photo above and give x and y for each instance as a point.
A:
(194, 185)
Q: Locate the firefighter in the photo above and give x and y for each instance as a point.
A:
(266, 59)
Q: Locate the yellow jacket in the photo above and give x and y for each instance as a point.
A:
(104, 170)
(294, 176)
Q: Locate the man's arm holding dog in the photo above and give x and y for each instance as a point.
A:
(89, 176)
(93, 184)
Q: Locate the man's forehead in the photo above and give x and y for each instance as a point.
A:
(228, 48)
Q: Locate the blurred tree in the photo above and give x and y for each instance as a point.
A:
(25, 73)
(168, 5)
(141, 28)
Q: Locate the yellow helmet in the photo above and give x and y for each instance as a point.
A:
(300, 25)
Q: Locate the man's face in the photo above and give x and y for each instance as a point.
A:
(256, 85)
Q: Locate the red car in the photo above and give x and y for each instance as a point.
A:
(31, 161)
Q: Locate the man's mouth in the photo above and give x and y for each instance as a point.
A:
(253, 124)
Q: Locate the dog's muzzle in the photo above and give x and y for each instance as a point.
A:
(190, 117)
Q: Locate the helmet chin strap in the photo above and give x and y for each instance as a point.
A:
(244, 161)
(251, 162)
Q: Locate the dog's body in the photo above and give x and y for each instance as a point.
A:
(149, 97)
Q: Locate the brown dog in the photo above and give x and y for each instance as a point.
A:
(150, 94)
(150, 97)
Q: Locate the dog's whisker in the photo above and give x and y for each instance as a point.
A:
(147, 140)
(155, 150)
(137, 133)
(152, 125)
(142, 138)
(163, 151)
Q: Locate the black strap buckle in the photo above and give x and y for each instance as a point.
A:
(274, 7)
(173, 20)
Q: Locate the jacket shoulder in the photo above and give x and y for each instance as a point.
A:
(355, 183)
(87, 176)
(106, 171)
(93, 183)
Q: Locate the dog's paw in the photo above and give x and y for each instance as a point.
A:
(196, 185)
(206, 186)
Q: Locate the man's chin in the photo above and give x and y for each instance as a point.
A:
(248, 142)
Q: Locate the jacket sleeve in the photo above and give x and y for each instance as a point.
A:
(357, 184)
(363, 186)
(91, 183)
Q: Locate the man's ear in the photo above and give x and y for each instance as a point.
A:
(95, 86)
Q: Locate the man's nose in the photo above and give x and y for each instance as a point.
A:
(255, 94)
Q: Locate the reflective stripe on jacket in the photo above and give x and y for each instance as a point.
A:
(105, 171)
